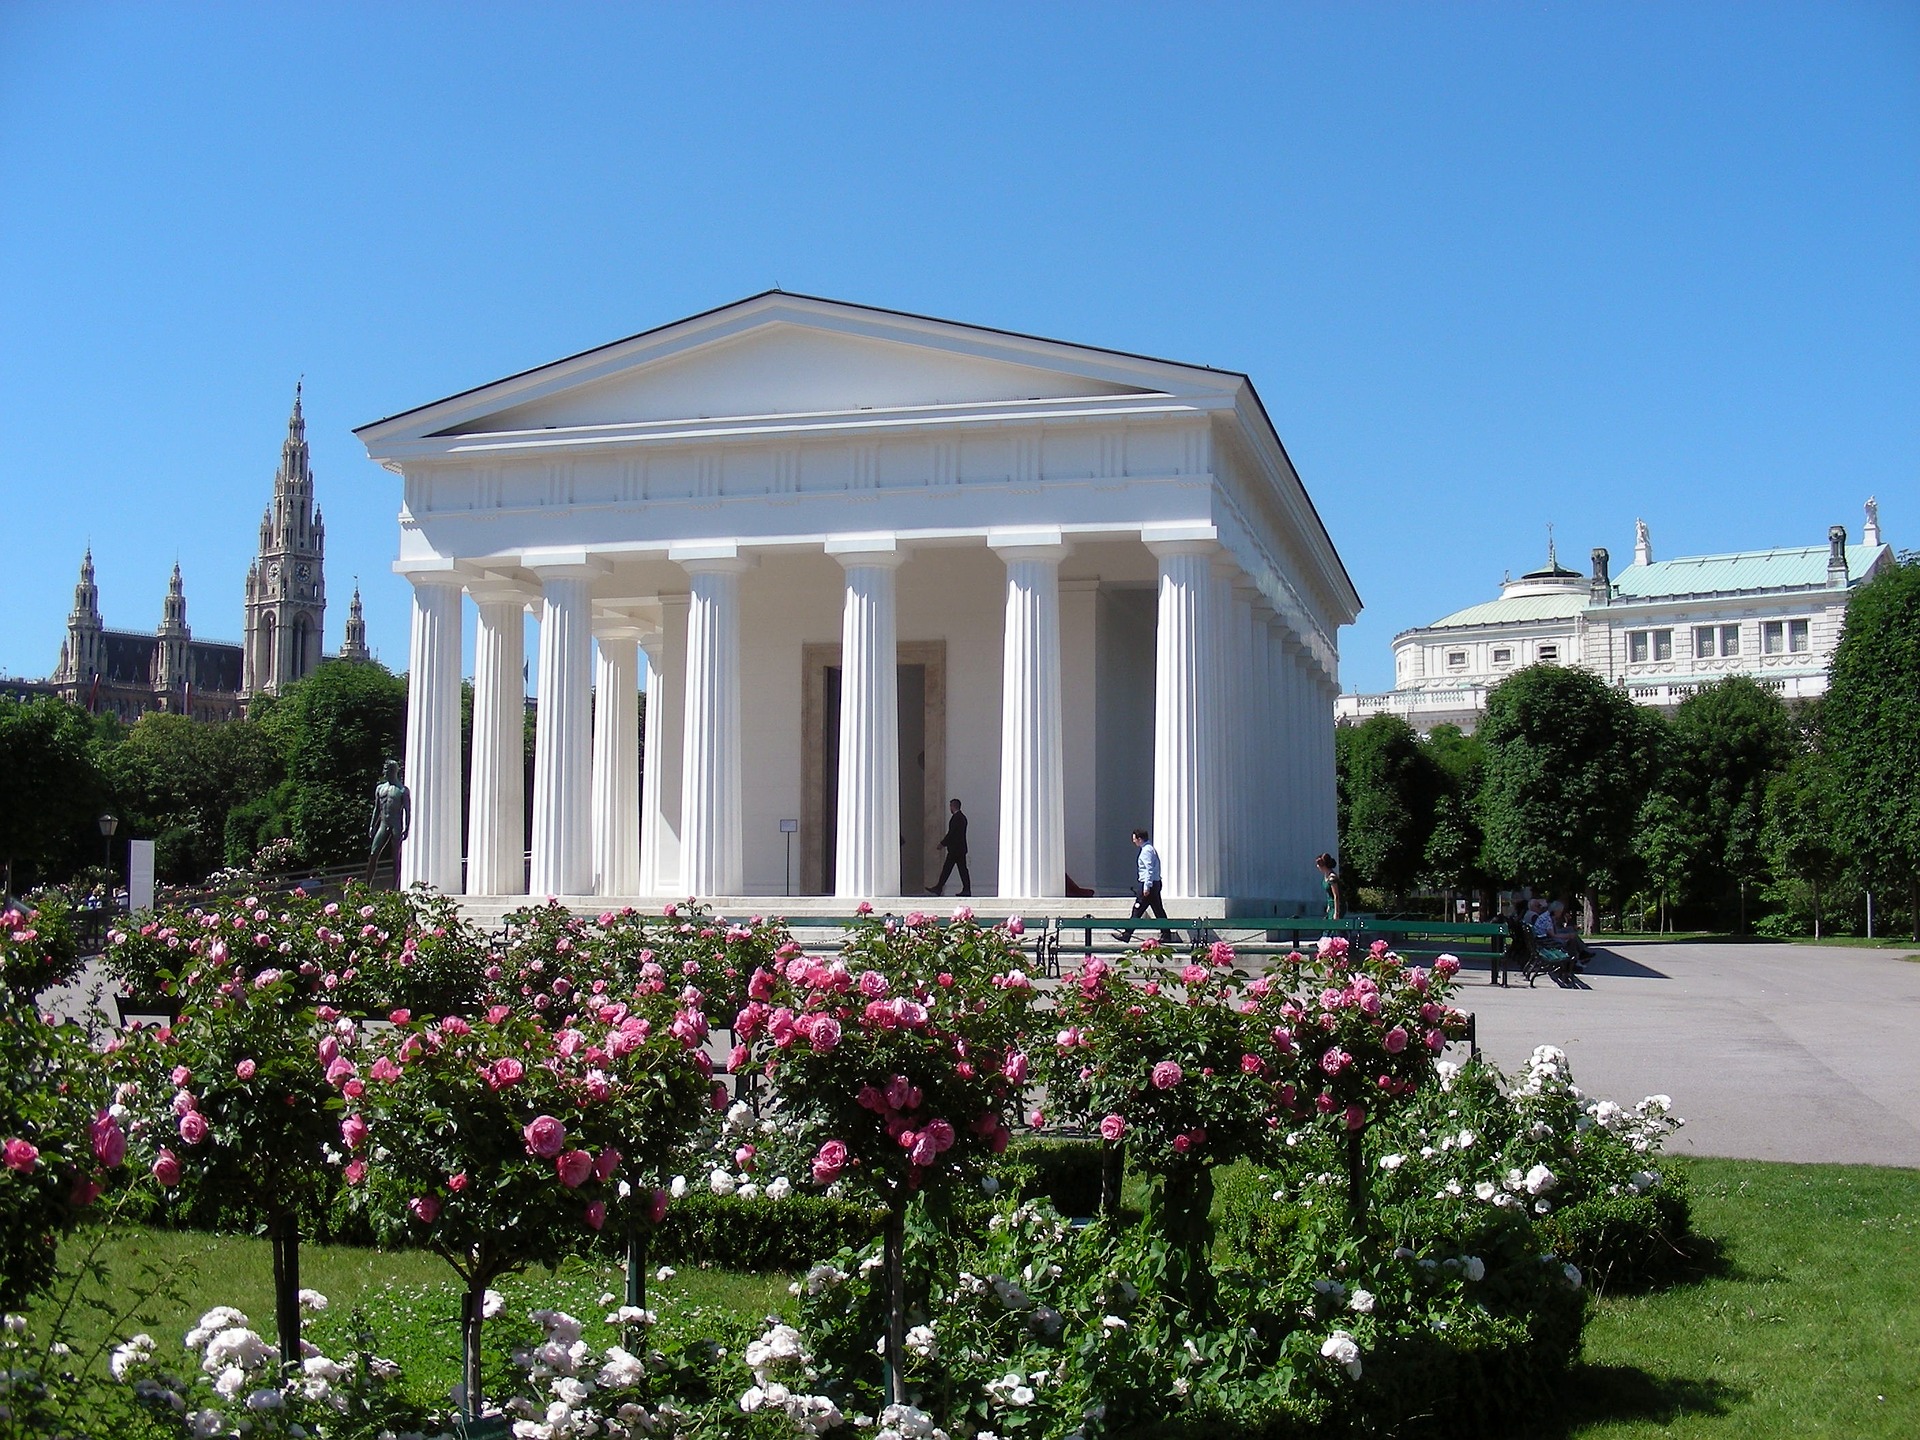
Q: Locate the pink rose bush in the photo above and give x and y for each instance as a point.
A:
(63, 1134)
(902, 1058)
(509, 1138)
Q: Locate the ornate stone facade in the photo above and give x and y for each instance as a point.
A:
(286, 584)
(1660, 630)
(128, 673)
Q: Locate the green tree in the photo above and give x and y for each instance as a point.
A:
(1802, 826)
(1872, 728)
(53, 790)
(1729, 741)
(1386, 791)
(1457, 762)
(337, 727)
(1566, 773)
(178, 780)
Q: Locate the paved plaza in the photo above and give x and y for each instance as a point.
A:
(1771, 1052)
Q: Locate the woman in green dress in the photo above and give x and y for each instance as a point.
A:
(1330, 882)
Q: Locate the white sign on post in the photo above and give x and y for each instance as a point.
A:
(139, 875)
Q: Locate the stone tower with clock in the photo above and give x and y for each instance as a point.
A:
(286, 584)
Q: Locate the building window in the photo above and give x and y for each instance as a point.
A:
(1643, 645)
(1729, 640)
(1549, 654)
(1783, 637)
(1456, 658)
(1706, 642)
(1503, 657)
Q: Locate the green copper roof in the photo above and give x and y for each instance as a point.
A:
(1561, 605)
(1800, 567)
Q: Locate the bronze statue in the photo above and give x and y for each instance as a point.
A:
(391, 819)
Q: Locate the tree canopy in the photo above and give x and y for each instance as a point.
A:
(1567, 766)
(1386, 790)
(1872, 729)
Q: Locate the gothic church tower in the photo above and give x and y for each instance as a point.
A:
(83, 656)
(286, 589)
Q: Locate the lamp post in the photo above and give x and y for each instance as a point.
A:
(109, 822)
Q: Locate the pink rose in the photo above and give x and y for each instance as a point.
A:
(193, 1127)
(1016, 1068)
(1436, 1041)
(941, 1133)
(246, 1069)
(22, 1155)
(1112, 1127)
(873, 984)
(425, 1208)
(574, 1168)
(744, 1157)
(1446, 966)
(1335, 1060)
(166, 1168)
(1181, 1144)
(1193, 975)
(1252, 1065)
(384, 1069)
(1356, 1116)
(400, 1017)
(181, 1075)
(596, 1214)
(504, 1072)
(85, 1191)
(355, 1172)
(1166, 1075)
(825, 1034)
(457, 1183)
(546, 1137)
(1395, 1039)
(924, 1151)
(829, 1162)
(109, 1140)
(657, 1210)
(340, 1069)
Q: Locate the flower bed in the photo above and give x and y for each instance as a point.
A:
(1398, 1235)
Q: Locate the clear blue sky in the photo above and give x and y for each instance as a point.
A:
(1489, 265)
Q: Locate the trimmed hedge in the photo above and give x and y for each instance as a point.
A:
(760, 1234)
(1626, 1241)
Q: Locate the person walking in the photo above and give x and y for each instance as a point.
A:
(1335, 888)
(954, 842)
(1146, 899)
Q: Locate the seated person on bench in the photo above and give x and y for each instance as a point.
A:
(1561, 932)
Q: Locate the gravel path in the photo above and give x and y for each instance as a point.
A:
(1771, 1052)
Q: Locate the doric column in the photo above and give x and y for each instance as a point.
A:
(1260, 783)
(1241, 737)
(1185, 719)
(562, 745)
(866, 856)
(1033, 817)
(431, 853)
(496, 795)
(616, 760)
(1304, 841)
(652, 800)
(712, 832)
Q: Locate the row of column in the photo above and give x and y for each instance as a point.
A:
(1242, 735)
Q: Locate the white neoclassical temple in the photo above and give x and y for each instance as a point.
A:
(861, 563)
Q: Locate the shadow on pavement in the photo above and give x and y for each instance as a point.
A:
(1612, 962)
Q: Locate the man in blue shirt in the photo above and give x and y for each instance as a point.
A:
(1146, 898)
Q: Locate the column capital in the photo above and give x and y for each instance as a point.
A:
(421, 574)
(712, 558)
(1191, 539)
(853, 551)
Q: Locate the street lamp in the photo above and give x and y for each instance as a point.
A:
(109, 822)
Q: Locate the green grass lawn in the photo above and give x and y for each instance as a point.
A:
(1802, 1319)
(1806, 1322)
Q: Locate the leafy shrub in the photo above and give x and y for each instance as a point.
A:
(1629, 1239)
(758, 1234)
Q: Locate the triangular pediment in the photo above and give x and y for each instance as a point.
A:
(784, 355)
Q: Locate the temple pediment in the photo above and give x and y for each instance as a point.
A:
(789, 356)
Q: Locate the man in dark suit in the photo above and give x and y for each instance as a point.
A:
(955, 844)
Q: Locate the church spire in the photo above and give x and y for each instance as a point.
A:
(287, 591)
(355, 646)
